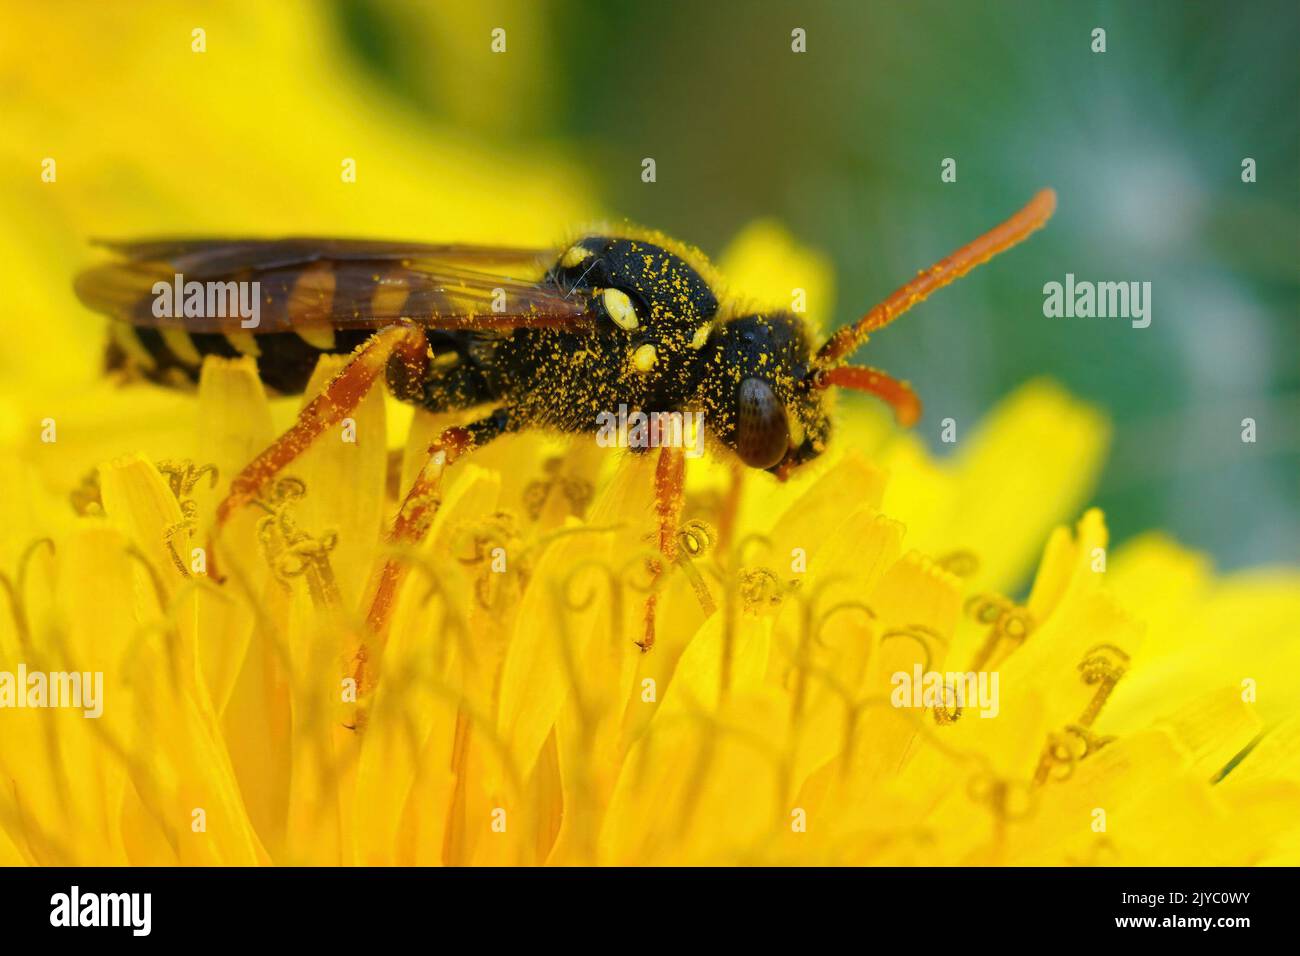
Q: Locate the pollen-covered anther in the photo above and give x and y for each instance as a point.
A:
(760, 589)
(644, 359)
(962, 563)
(1007, 622)
(695, 537)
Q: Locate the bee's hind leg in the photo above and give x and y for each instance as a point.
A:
(400, 344)
(404, 345)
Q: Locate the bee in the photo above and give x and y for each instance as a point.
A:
(544, 339)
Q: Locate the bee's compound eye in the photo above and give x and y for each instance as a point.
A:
(620, 309)
(762, 430)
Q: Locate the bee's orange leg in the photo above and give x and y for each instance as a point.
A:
(897, 395)
(415, 516)
(670, 494)
(729, 512)
(404, 344)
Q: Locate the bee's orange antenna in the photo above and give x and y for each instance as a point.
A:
(897, 395)
(1016, 229)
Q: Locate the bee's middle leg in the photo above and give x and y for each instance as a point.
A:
(419, 507)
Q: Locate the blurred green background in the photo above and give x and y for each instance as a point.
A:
(843, 144)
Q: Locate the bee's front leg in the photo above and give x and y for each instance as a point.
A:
(670, 495)
(896, 394)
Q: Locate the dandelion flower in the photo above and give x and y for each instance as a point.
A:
(514, 720)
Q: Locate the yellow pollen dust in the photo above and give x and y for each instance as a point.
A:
(644, 358)
(797, 433)
(620, 309)
(701, 336)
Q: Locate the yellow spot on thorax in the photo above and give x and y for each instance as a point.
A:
(644, 358)
(620, 309)
(574, 256)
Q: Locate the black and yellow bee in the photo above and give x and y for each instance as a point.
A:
(543, 338)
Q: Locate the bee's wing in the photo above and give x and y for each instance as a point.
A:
(345, 284)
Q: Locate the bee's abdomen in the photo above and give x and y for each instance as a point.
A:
(173, 357)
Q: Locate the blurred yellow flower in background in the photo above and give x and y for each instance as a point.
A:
(247, 138)
(1147, 712)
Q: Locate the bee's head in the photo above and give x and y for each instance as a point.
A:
(761, 386)
(760, 397)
